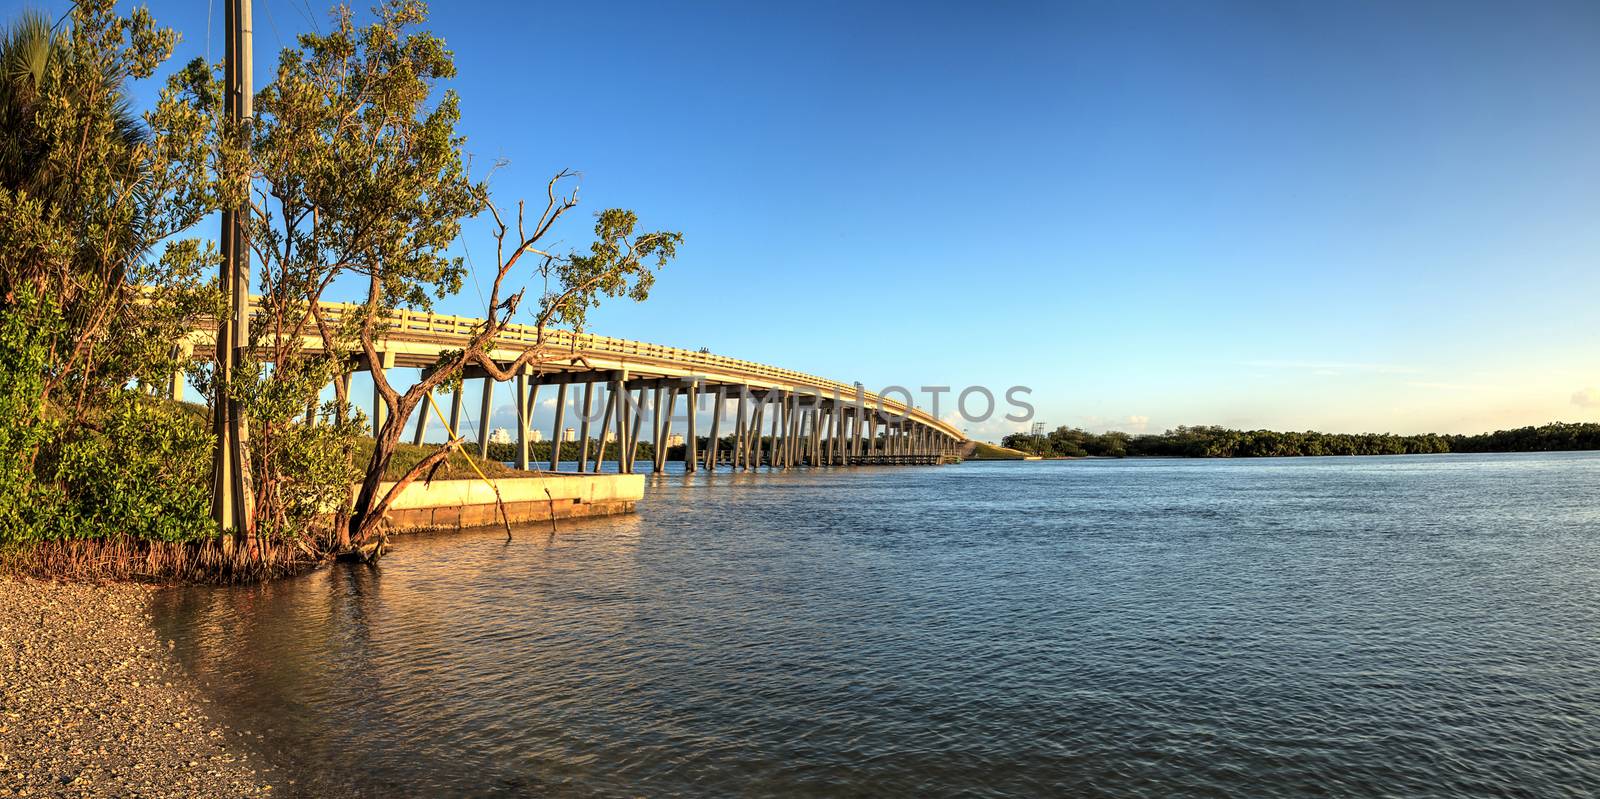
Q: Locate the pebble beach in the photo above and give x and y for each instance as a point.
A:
(93, 704)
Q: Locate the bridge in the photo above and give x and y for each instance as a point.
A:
(778, 418)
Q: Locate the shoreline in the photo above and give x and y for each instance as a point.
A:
(93, 703)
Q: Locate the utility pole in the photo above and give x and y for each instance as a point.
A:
(232, 504)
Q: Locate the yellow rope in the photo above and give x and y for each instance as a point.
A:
(505, 518)
(453, 436)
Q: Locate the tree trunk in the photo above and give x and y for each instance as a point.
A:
(361, 524)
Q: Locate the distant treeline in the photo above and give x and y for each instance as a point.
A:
(1221, 442)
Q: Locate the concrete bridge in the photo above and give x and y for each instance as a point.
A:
(631, 392)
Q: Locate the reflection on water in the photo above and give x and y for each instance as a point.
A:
(1354, 626)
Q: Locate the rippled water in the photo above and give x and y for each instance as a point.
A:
(1400, 626)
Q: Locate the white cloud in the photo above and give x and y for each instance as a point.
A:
(1587, 398)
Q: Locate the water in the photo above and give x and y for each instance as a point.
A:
(1398, 626)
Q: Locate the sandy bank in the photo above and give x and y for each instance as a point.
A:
(92, 704)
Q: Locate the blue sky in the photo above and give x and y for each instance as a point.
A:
(1343, 216)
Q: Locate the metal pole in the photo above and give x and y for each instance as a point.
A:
(232, 500)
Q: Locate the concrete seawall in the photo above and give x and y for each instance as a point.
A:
(457, 504)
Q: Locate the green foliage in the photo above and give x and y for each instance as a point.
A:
(352, 168)
(618, 265)
(456, 468)
(311, 468)
(88, 190)
(1553, 437)
(346, 129)
(985, 451)
(138, 468)
(25, 331)
(1220, 442)
(130, 466)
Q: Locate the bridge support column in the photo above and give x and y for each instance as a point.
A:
(691, 445)
(737, 457)
(713, 444)
(776, 426)
(485, 407)
(175, 390)
(380, 409)
(583, 426)
(816, 434)
(605, 428)
(557, 432)
(752, 456)
(635, 430)
(422, 417)
(791, 426)
(632, 442)
(791, 432)
(836, 444)
(853, 418)
(657, 438)
(526, 396)
(759, 420)
(455, 410)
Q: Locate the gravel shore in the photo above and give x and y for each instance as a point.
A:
(92, 704)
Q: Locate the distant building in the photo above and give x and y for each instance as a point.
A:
(675, 440)
(569, 435)
(500, 436)
(536, 436)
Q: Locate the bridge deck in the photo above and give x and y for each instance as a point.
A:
(415, 339)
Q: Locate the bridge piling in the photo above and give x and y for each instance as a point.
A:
(583, 426)
(556, 430)
(691, 444)
(713, 444)
(485, 407)
(605, 429)
(791, 431)
(752, 456)
(380, 409)
(777, 424)
(738, 431)
(637, 429)
(455, 410)
(816, 435)
(527, 397)
(422, 418)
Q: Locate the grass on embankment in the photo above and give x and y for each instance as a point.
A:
(984, 451)
(454, 468)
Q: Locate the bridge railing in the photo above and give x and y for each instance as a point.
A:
(404, 323)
